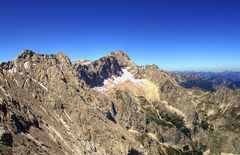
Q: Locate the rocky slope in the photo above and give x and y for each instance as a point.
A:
(50, 105)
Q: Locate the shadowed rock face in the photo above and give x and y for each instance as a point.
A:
(95, 73)
(49, 105)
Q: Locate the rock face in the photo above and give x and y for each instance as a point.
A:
(220, 117)
(49, 105)
(96, 72)
(122, 58)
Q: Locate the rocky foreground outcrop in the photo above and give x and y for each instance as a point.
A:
(50, 105)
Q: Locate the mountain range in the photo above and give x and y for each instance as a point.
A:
(51, 105)
(210, 81)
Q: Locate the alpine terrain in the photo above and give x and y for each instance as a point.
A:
(110, 106)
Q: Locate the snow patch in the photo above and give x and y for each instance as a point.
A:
(85, 62)
(27, 65)
(125, 76)
(100, 89)
(13, 70)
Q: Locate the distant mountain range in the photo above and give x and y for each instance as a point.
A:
(210, 81)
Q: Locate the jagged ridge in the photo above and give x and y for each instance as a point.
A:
(48, 106)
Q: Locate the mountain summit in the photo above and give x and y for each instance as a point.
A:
(50, 105)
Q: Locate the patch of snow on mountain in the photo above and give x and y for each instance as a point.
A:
(109, 83)
(101, 89)
(85, 62)
(27, 65)
(13, 69)
(126, 76)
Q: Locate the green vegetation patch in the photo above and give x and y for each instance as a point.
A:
(153, 116)
(176, 120)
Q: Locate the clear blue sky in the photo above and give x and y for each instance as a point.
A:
(174, 34)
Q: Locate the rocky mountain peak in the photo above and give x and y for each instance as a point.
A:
(123, 58)
(96, 72)
(63, 57)
(46, 108)
(27, 53)
(119, 53)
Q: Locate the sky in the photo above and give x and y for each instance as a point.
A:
(173, 34)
